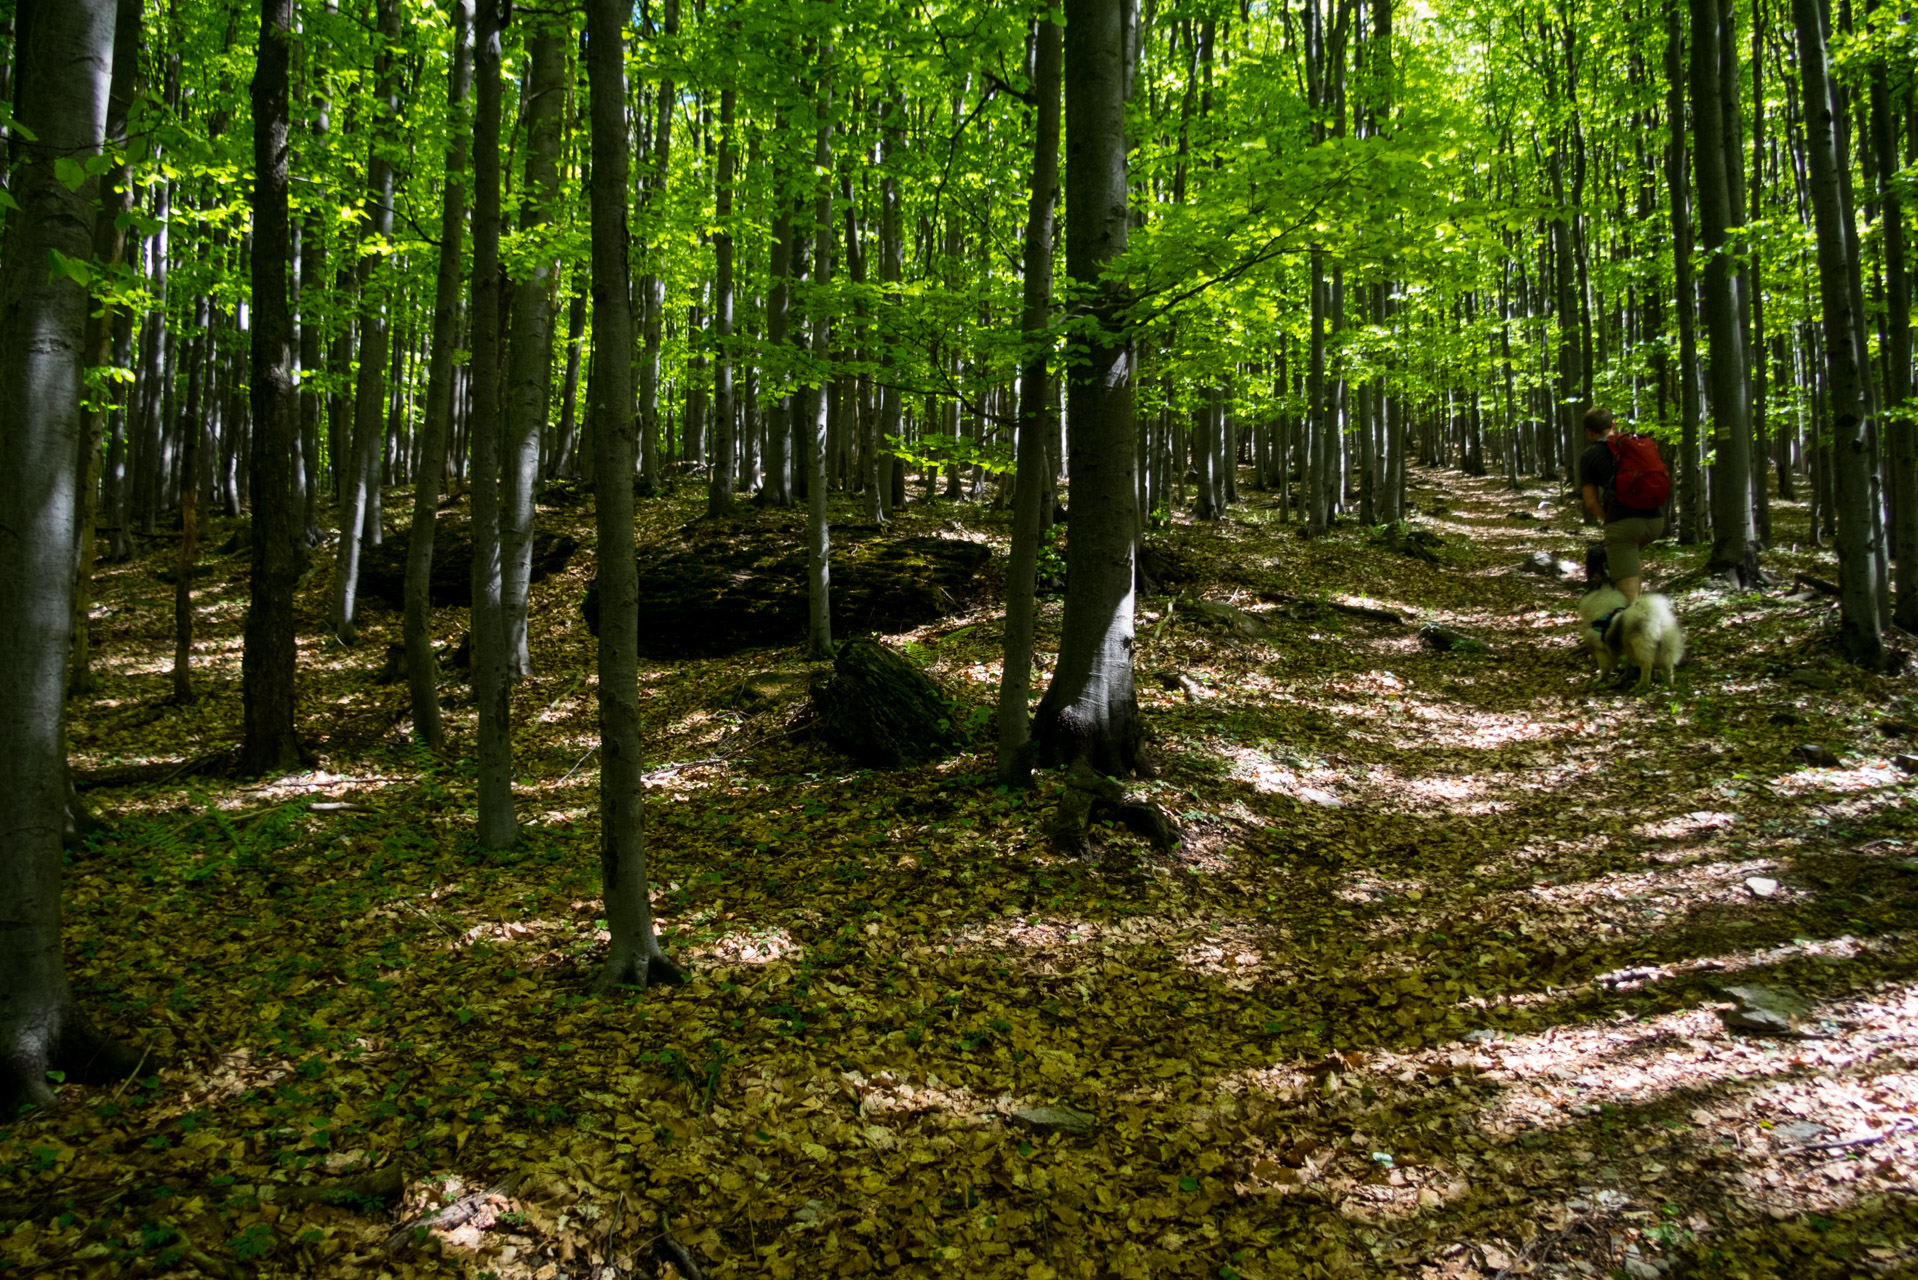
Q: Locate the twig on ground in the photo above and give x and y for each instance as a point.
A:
(1863, 1140)
(457, 1214)
(675, 1252)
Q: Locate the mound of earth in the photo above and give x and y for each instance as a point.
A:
(738, 586)
(383, 568)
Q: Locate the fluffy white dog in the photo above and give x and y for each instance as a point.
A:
(1645, 631)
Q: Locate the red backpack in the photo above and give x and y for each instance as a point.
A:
(1642, 480)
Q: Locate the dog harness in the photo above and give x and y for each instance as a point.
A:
(1602, 625)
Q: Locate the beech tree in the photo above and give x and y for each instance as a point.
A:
(634, 957)
(267, 672)
(64, 67)
(1090, 711)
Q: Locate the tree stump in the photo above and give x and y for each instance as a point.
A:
(881, 710)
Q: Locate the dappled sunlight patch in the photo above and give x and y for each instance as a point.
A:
(1687, 826)
(750, 946)
(1870, 776)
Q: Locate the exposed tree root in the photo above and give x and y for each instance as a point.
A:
(1090, 796)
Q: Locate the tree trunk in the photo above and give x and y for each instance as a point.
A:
(62, 58)
(267, 665)
(652, 286)
(634, 957)
(109, 248)
(1015, 673)
(1090, 712)
(566, 449)
(1734, 533)
(422, 673)
(191, 431)
(1690, 507)
(1860, 546)
(1900, 427)
(818, 540)
(369, 400)
(891, 469)
(719, 492)
(531, 357)
(313, 400)
(491, 686)
(777, 490)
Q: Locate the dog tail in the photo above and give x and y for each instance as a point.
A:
(1671, 637)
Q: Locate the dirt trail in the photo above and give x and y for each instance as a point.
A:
(1437, 984)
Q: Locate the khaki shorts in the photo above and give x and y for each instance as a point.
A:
(1623, 540)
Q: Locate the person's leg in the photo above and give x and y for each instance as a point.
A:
(1622, 541)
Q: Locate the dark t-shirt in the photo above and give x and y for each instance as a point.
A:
(1597, 466)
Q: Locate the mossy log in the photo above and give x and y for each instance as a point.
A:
(881, 710)
(742, 585)
(383, 568)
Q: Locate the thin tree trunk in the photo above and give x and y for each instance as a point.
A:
(422, 673)
(652, 286)
(109, 248)
(531, 356)
(1901, 428)
(369, 398)
(634, 957)
(1090, 711)
(1860, 545)
(719, 493)
(491, 686)
(565, 451)
(776, 491)
(818, 540)
(62, 58)
(1734, 533)
(1015, 674)
(267, 665)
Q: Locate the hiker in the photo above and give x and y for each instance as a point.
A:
(1625, 486)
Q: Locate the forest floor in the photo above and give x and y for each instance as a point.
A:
(1441, 982)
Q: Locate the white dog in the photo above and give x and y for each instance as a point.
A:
(1646, 631)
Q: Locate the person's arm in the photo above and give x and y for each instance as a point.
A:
(1595, 502)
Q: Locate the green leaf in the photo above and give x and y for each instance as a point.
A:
(1188, 1185)
(74, 269)
(72, 174)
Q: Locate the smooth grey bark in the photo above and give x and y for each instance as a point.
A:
(1029, 487)
(818, 540)
(267, 665)
(776, 489)
(191, 429)
(491, 686)
(313, 400)
(1312, 479)
(530, 361)
(1734, 531)
(1860, 533)
(1901, 428)
(890, 470)
(652, 285)
(1691, 507)
(109, 248)
(565, 460)
(719, 492)
(63, 63)
(369, 399)
(1090, 712)
(634, 957)
(422, 673)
